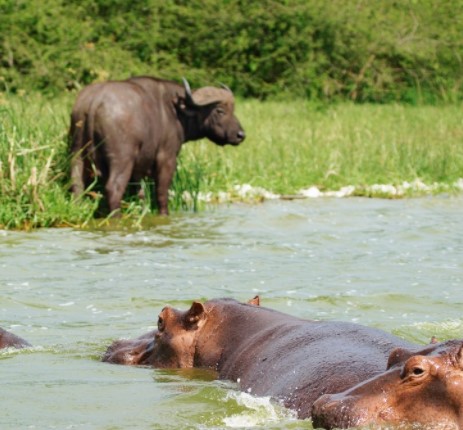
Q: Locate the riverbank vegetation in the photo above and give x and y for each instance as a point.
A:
(349, 97)
(291, 145)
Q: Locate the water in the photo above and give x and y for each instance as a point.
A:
(393, 264)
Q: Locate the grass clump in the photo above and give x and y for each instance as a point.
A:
(33, 165)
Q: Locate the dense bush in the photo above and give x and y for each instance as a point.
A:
(361, 50)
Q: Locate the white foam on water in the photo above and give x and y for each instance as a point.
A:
(249, 192)
(259, 411)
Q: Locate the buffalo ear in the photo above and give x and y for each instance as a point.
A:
(398, 355)
(182, 106)
(194, 315)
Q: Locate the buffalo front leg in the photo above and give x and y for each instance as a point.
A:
(164, 174)
(117, 183)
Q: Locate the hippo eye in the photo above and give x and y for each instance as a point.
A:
(414, 372)
(160, 324)
(415, 369)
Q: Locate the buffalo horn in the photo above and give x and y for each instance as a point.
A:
(189, 96)
(225, 87)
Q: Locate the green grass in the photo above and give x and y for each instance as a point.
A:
(292, 145)
(289, 146)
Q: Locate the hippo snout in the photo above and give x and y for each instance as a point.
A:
(321, 412)
(328, 412)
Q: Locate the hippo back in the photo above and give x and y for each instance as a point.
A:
(299, 360)
(10, 340)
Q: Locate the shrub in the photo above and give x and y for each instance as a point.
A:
(406, 51)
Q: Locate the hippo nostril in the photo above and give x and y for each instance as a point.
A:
(241, 135)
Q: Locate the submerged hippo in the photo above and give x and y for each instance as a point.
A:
(139, 351)
(269, 353)
(10, 340)
(422, 387)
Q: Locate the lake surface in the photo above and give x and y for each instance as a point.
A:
(392, 264)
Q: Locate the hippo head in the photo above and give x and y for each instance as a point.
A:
(214, 110)
(422, 388)
(172, 345)
(175, 339)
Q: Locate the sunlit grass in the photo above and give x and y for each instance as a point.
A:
(289, 146)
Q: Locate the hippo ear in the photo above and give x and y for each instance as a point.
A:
(254, 301)
(398, 355)
(194, 315)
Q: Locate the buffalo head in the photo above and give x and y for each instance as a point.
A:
(214, 109)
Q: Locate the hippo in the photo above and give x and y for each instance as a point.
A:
(267, 352)
(293, 360)
(10, 340)
(421, 387)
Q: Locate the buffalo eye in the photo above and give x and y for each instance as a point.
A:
(160, 324)
(220, 112)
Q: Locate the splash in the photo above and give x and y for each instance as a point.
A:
(260, 411)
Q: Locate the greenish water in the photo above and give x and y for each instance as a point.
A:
(393, 264)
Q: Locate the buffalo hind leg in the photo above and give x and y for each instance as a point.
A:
(117, 183)
(76, 143)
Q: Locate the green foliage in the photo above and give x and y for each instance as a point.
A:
(379, 51)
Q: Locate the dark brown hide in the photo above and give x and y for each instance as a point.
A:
(125, 131)
(8, 339)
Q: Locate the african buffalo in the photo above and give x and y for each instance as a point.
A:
(127, 130)
(10, 340)
(297, 361)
